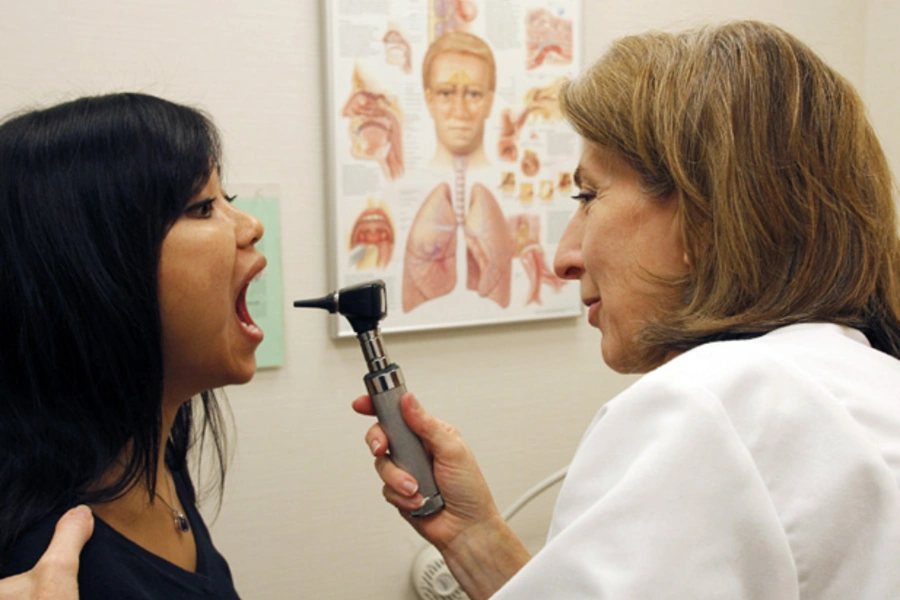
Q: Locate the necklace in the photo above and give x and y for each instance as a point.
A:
(181, 522)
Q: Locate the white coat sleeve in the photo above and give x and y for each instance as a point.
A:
(662, 500)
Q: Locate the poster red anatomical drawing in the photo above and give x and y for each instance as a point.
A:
(450, 166)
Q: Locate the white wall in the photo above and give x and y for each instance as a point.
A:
(303, 515)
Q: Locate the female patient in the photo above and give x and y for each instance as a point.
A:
(122, 303)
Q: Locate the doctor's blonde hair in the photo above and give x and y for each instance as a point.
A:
(784, 193)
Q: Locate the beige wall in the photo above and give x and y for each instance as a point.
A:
(303, 515)
(881, 87)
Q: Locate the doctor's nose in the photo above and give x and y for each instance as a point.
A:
(569, 262)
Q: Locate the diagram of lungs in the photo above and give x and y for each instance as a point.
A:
(429, 264)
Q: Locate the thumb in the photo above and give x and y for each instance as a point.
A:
(72, 532)
(435, 433)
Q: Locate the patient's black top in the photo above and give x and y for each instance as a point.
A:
(114, 567)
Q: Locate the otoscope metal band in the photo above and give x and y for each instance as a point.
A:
(373, 350)
(384, 380)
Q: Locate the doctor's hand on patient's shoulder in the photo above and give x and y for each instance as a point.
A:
(55, 576)
(479, 547)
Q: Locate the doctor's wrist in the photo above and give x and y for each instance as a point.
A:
(485, 556)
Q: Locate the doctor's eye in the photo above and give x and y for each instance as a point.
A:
(584, 197)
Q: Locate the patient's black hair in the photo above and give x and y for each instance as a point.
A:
(88, 191)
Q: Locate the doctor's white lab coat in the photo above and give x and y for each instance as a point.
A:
(764, 468)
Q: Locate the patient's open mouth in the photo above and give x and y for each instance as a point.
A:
(243, 313)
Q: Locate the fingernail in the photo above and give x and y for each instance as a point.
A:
(82, 511)
(410, 487)
(375, 446)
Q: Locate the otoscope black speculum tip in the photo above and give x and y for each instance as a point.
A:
(363, 305)
(328, 302)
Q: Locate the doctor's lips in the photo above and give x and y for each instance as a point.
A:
(593, 305)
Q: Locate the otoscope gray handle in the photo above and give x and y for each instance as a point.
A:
(406, 448)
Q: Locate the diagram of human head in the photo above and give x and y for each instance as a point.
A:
(375, 126)
(396, 50)
(459, 77)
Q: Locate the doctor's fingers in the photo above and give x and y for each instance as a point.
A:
(400, 488)
(363, 405)
(72, 532)
(55, 576)
(440, 438)
(376, 440)
(405, 504)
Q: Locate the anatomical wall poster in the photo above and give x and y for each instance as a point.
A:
(450, 166)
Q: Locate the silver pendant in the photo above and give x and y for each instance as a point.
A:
(181, 523)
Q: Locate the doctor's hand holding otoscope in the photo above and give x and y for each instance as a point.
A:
(470, 517)
(429, 473)
(364, 306)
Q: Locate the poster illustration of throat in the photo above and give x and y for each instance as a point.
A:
(450, 165)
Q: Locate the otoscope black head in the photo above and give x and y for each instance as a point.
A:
(363, 305)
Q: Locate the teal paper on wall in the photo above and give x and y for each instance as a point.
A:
(264, 297)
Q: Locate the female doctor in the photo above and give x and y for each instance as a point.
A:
(736, 241)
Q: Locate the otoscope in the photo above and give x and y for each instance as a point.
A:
(364, 306)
